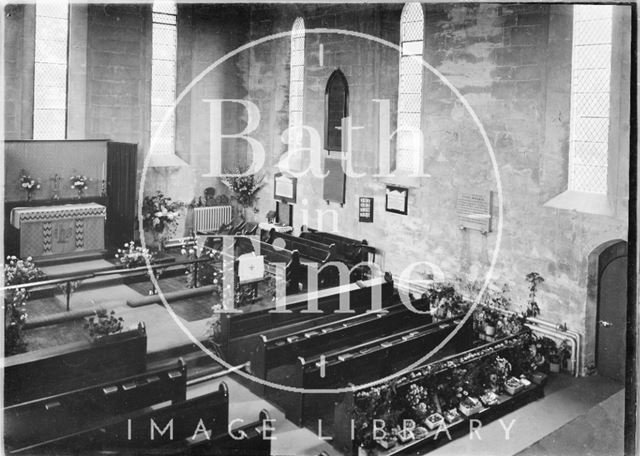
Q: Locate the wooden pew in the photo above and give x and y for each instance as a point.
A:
(348, 250)
(275, 356)
(312, 253)
(132, 432)
(40, 420)
(365, 362)
(256, 441)
(55, 370)
(240, 331)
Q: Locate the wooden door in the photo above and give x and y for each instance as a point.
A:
(121, 191)
(612, 312)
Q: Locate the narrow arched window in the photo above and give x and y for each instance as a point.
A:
(164, 49)
(296, 84)
(590, 98)
(51, 71)
(336, 107)
(410, 88)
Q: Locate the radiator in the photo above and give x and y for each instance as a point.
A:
(211, 218)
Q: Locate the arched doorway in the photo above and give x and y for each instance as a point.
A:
(608, 285)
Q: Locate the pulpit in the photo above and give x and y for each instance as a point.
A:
(53, 230)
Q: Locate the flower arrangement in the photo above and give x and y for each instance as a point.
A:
(420, 402)
(133, 256)
(214, 331)
(103, 323)
(445, 301)
(244, 188)
(445, 390)
(28, 184)
(79, 183)
(376, 403)
(16, 272)
(160, 214)
(202, 273)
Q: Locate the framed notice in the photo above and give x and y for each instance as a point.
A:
(285, 188)
(396, 199)
(474, 211)
(366, 209)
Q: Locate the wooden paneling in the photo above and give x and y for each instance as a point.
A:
(121, 190)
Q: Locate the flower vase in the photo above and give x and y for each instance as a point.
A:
(158, 241)
(80, 193)
(29, 195)
(248, 214)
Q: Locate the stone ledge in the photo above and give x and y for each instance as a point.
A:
(588, 203)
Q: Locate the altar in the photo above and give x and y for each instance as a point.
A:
(53, 230)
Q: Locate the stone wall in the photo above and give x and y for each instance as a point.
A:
(512, 65)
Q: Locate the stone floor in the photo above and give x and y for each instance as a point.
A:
(598, 432)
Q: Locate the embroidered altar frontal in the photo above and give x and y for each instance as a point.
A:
(53, 230)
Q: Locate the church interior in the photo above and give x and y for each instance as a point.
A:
(318, 229)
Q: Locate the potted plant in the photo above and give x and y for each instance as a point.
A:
(554, 362)
(534, 279)
(103, 324)
(490, 322)
(564, 351)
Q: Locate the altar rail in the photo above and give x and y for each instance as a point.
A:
(68, 279)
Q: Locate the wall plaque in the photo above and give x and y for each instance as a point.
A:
(366, 209)
(474, 211)
(396, 199)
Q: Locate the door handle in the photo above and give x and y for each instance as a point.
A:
(605, 324)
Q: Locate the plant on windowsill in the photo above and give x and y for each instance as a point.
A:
(103, 324)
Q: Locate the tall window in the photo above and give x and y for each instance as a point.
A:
(410, 87)
(163, 75)
(296, 84)
(590, 98)
(50, 71)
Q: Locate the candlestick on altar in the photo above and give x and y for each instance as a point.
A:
(55, 186)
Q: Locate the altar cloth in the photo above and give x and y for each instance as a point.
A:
(50, 230)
